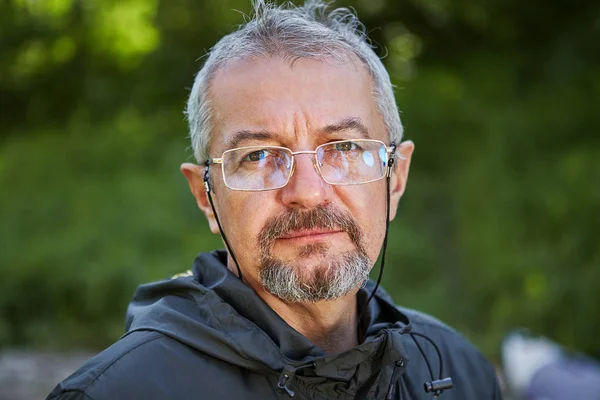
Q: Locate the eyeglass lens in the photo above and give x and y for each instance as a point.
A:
(340, 163)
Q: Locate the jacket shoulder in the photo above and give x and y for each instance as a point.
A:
(462, 361)
(150, 365)
(84, 383)
(439, 331)
(423, 320)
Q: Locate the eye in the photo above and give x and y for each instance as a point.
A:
(345, 146)
(255, 156)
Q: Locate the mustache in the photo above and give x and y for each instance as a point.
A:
(320, 217)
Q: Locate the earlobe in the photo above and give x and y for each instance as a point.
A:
(195, 177)
(399, 176)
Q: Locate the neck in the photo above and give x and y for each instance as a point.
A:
(331, 325)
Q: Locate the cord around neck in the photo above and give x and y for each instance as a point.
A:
(385, 238)
(210, 200)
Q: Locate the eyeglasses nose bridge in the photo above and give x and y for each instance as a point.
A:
(316, 164)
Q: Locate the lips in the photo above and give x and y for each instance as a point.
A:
(309, 233)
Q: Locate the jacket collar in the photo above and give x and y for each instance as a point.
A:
(382, 326)
(215, 312)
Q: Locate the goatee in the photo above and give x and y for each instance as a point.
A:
(336, 278)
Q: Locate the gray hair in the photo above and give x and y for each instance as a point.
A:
(292, 33)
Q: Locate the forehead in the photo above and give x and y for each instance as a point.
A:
(291, 102)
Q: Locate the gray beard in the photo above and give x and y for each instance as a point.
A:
(335, 277)
(345, 273)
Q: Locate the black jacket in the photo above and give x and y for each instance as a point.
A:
(209, 336)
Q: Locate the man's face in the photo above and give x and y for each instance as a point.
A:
(320, 239)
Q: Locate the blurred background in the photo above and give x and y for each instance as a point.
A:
(499, 227)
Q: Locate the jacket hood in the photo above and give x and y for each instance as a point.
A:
(211, 310)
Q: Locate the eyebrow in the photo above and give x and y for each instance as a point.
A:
(246, 135)
(347, 124)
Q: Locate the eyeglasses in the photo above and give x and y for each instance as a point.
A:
(343, 162)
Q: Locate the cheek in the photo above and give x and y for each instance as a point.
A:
(243, 215)
(367, 206)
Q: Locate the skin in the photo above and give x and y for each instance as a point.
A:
(294, 103)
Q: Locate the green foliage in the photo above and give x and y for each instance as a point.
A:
(91, 212)
(498, 228)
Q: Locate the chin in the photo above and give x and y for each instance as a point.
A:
(325, 278)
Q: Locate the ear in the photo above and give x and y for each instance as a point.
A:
(195, 177)
(400, 174)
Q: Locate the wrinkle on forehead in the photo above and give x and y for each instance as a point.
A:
(302, 125)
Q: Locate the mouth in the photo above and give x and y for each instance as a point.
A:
(310, 234)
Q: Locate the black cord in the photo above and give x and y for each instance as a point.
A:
(437, 350)
(423, 355)
(437, 387)
(385, 238)
(208, 190)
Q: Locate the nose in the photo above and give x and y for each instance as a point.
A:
(306, 189)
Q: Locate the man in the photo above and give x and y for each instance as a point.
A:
(300, 168)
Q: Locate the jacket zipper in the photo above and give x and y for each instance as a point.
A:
(397, 368)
